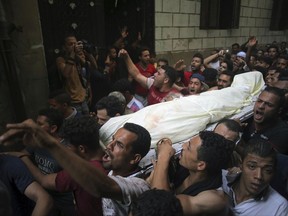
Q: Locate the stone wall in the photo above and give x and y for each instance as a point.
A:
(177, 32)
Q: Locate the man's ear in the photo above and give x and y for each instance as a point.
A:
(166, 80)
(81, 148)
(201, 165)
(136, 159)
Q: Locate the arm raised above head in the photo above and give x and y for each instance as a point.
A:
(132, 69)
(84, 173)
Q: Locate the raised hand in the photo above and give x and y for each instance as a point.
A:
(31, 134)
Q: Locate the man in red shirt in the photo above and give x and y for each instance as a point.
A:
(195, 67)
(159, 87)
(81, 135)
(146, 69)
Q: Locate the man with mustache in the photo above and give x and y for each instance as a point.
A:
(249, 192)
(266, 122)
(123, 154)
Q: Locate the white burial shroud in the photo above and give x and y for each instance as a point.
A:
(181, 119)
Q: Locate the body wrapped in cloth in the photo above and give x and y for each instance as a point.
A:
(181, 119)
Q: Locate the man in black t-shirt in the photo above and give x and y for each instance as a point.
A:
(266, 122)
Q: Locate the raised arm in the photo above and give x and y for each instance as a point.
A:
(132, 69)
(85, 174)
(160, 179)
(42, 199)
(212, 57)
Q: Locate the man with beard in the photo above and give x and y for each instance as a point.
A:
(249, 191)
(224, 80)
(146, 69)
(123, 154)
(266, 122)
(159, 87)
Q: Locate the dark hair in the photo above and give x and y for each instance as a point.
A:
(273, 46)
(210, 75)
(111, 104)
(283, 56)
(163, 60)
(171, 73)
(278, 92)
(199, 55)
(61, 96)
(260, 147)
(157, 203)
(215, 150)
(143, 142)
(141, 49)
(83, 130)
(229, 64)
(261, 69)
(67, 35)
(228, 73)
(54, 117)
(230, 124)
(122, 86)
(236, 44)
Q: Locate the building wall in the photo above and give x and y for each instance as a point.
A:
(178, 35)
(28, 52)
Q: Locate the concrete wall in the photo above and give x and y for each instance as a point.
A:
(178, 35)
(28, 52)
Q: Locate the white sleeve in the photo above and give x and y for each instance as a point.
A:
(131, 187)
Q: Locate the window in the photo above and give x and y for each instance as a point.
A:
(219, 14)
(279, 15)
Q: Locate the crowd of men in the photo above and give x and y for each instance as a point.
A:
(239, 168)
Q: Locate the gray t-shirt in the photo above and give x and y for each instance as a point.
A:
(131, 188)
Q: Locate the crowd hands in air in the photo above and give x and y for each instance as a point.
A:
(62, 169)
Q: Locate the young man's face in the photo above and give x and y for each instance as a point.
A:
(224, 81)
(195, 86)
(70, 43)
(145, 57)
(272, 52)
(159, 78)
(196, 63)
(119, 151)
(42, 121)
(102, 116)
(257, 173)
(223, 67)
(266, 108)
(189, 154)
(282, 63)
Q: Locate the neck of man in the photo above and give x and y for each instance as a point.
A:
(143, 65)
(127, 171)
(193, 178)
(264, 125)
(241, 194)
(94, 155)
(165, 88)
